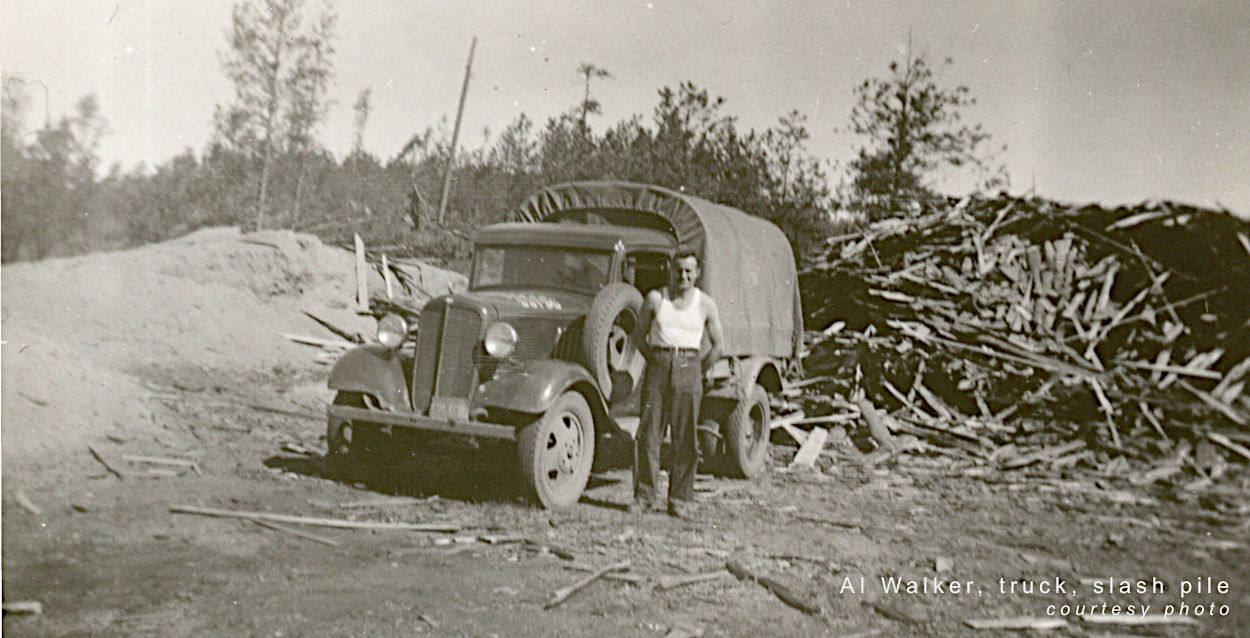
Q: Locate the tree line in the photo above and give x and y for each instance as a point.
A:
(264, 166)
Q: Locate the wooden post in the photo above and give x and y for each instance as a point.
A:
(455, 135)
(362, 277)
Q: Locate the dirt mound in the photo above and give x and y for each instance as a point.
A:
(91, 341)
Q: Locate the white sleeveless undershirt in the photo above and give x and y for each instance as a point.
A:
(677, 328)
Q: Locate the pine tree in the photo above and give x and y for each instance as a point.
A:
(279, 60)
(915, 128)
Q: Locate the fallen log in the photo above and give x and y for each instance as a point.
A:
(309, 520)
(800, 602)
(564, 593)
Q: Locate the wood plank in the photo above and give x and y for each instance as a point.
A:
(309, 520)
(666, 583)
(809, 451)
(362, 276)
(295, 532)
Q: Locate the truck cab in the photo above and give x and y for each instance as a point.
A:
(538, 349)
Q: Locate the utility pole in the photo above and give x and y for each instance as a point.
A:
(455, 135)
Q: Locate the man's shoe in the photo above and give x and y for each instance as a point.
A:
(640, 507)
(679, 510)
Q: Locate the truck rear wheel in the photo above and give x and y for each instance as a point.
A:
(746, 434)
(607, 348)
(556, 451)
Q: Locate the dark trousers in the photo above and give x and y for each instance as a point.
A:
(671, 392)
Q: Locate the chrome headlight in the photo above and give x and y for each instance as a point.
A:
(392, 331)
(500, 340)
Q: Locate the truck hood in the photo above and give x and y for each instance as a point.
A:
(531, 302)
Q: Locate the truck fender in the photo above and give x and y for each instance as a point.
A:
(533, 386)
(747, 372)
(375, 370)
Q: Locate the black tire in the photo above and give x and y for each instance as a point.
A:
(746, 434)
(557, 450)
(607, 350)
(367, 442)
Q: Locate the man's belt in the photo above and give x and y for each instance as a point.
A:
(676, 350)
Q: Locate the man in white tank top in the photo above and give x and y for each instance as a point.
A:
(669, 334)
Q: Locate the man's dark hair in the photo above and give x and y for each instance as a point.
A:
(687, 254)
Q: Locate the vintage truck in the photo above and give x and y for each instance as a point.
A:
(537, 350)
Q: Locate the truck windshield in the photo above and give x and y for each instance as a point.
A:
(542, 267)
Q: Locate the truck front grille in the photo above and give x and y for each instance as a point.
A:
(461, 330)
(446, 344)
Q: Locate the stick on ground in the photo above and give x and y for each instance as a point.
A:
(294, 532)
(309, 520)
(106, 465)
(564, 593)
(681, 580)
(787, 596)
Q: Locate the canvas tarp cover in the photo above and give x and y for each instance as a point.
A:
(748, 267)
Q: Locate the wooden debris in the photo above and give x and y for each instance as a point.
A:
(362, 276)
(320, 522)
(810, 450)
(295, 532)
(666, 583)
(319, 342)
(876, 424)
(161, 460)
(389, 278)
(684, 631)
(1148, 619)
(564, 593)
(1228, 443)
(800, 602)
(23, 607)
(893, 612)
(26, 503)
(333, 328)
(1038, 623)
(555, 550)
(1027, 303)
(112, 470)
(1043, 454)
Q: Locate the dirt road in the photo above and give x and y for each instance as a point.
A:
(106, 557)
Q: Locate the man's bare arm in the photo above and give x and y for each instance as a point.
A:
(642, 329)
(714, 334)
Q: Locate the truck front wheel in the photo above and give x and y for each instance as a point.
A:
(746, 434)
(556, 451)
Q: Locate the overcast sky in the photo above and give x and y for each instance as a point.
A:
(1096, 101)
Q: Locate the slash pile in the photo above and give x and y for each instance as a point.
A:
(1020, 331)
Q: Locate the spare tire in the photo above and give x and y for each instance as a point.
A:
(607, 349)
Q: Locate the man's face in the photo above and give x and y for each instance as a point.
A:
(686, 273)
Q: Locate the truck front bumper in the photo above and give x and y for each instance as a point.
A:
(341, 415)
